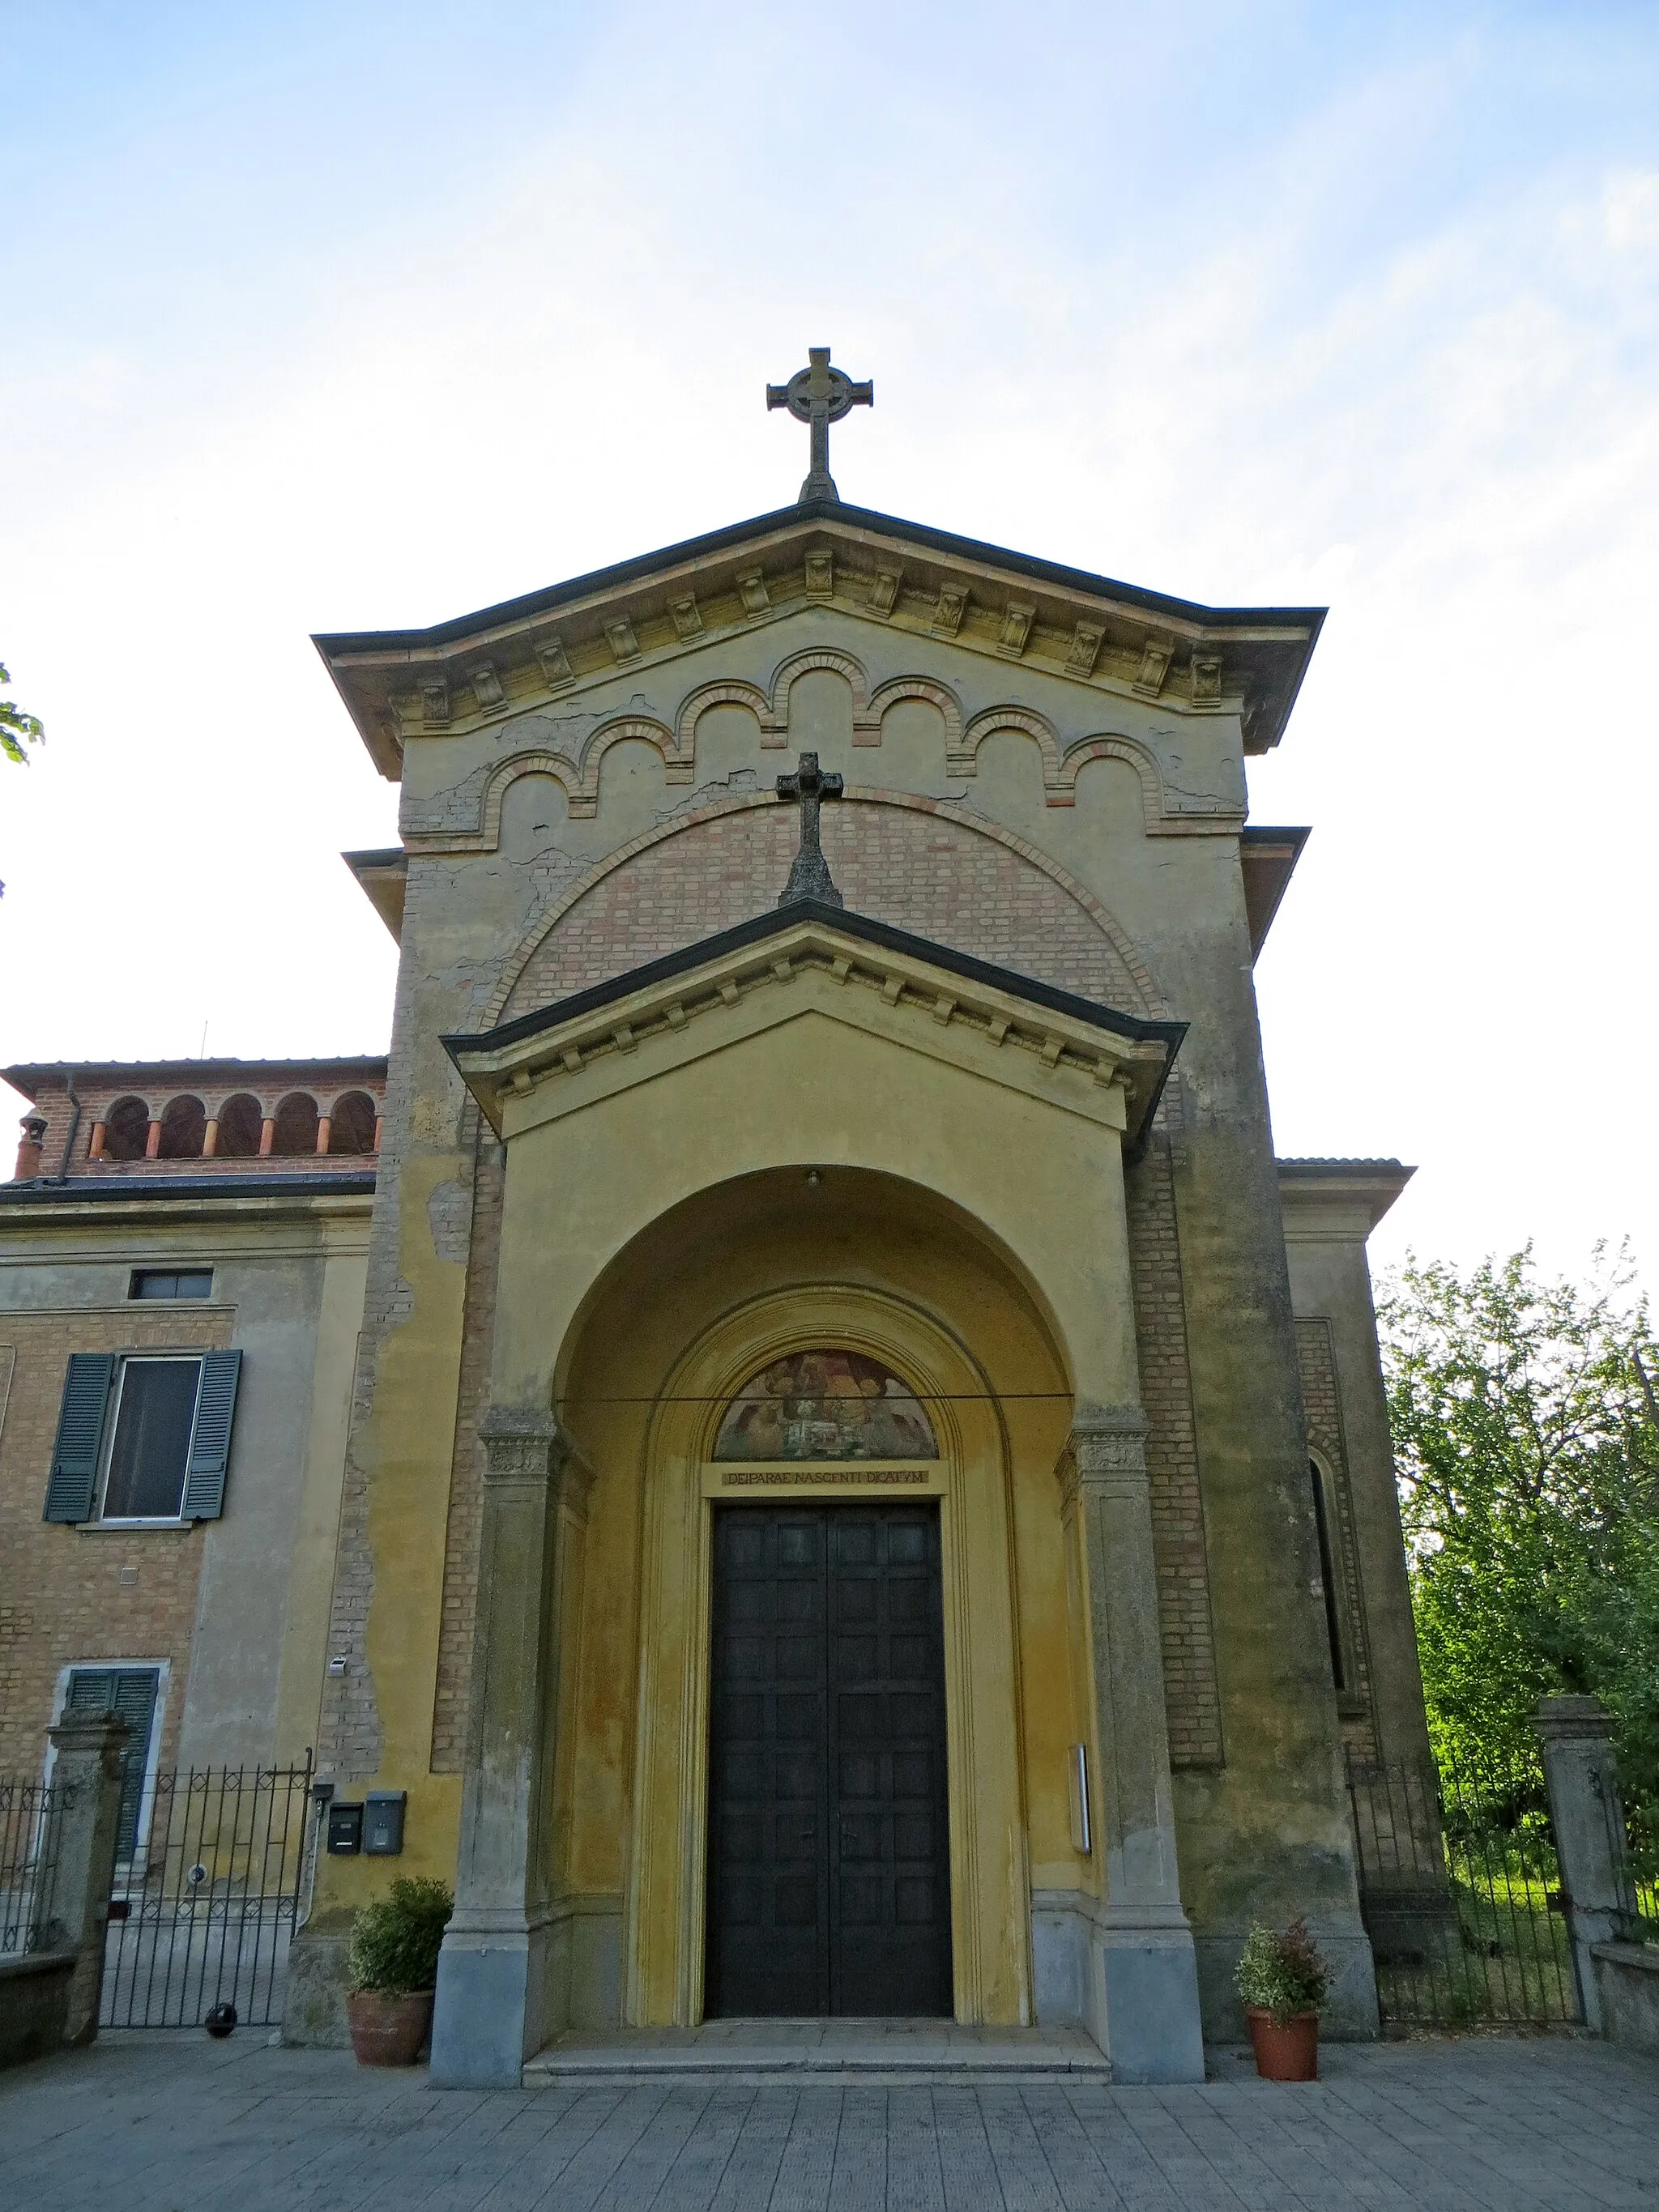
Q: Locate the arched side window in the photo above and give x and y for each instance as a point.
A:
(351, 1127)
(825, 1404)
(1327, 1577)
(184, 1129)
(126, 1130)
(241, 1119)
(296, 1125)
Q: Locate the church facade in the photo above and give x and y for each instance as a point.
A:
(865, 1486)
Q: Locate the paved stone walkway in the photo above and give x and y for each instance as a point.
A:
(173, 2123)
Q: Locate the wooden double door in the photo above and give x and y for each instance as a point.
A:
(828, 1883)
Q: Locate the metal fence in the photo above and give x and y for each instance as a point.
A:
(202, 1911)
(31, 1826)
(1460, 1889)
(1635, 1861)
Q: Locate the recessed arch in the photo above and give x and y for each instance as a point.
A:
(825, 1402)
(696, 704)
(647, 730)
(1111, 747)
(654, 1473)
(775, 730)
(184, 1129)
(964, 760)
(351, 1124)
(917, 687)
(126, 1129)
(488, 835)
(295, 1125)
(1147, 998)
(241, 1118)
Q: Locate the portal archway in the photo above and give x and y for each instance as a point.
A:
(741, 1278)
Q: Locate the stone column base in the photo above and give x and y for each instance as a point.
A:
(491, 2009)
(1128, 1975)
(1144, 1978)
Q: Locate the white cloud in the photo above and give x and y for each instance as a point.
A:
(1361, 345)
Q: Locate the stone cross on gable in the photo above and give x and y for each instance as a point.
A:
(810, 877)
(819, 396)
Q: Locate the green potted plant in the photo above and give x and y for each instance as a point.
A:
(1283, 1980)
(393, 1968)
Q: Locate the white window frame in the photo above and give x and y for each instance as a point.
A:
(162, 1669)
(147, 1520)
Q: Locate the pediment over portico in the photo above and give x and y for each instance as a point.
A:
(806, 960)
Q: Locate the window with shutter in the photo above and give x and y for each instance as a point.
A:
(155, 1410)
(129, 1692)
(210, 1447)
(156, 1430)
(74, 1478)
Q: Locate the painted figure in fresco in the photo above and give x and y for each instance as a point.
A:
(825, 1404)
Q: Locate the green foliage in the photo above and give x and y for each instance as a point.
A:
(394, 1942)
(1527, 1442)
(1285, 1974)
(17, 729)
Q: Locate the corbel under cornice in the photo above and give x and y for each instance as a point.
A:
(1092, 631)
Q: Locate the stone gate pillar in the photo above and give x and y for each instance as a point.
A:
(87, 1780)
(1581, 1778)
(1144, 1973)
(494, 1984)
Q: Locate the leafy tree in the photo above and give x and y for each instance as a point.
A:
(17, 729)
(1527, 1443)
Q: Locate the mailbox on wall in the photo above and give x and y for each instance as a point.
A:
(383, 1823)
(345, 1827)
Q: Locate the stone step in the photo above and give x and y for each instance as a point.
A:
(803, 2052)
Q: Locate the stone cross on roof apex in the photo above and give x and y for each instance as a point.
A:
(810, 877)
(819, 396)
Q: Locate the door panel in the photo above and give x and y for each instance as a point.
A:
(829, 1878)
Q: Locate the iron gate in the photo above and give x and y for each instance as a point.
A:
(1460, 1890)
(202, 1909)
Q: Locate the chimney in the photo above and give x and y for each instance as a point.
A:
(33, 1126)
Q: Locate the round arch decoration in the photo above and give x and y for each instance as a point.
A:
(1153, 1004)
(664, 1907)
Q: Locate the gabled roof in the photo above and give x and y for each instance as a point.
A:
(1092, 631)
(950, 990)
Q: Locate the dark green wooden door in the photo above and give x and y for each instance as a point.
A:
(829, 1876)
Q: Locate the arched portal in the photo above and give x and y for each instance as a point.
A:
(763, 1277)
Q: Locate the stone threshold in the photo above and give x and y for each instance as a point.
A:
(873, 2053)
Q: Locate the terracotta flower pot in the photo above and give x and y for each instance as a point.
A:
(388, 2031)
(1289, 2052)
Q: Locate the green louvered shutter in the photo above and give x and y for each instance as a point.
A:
(74, 1475)
(209, 1443)
(131, 1692)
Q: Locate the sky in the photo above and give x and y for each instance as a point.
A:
(332, 317)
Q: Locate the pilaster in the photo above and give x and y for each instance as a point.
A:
(494, 1980)
(1144, 1981)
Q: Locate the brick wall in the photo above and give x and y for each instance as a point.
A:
(1316, 1355)
(918, 866)
(466, 1478)
(1190, 1688)
(62, 1596)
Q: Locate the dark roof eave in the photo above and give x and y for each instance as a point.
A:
(123, 1071)
(333, 644)
(116, 1190)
